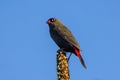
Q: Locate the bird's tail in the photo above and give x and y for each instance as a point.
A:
(77, 51)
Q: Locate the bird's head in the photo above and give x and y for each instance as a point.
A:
(53, 22)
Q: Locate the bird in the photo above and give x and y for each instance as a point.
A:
(64, 38)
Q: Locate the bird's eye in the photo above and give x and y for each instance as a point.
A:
(52, 19)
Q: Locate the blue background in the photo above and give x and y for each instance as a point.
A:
(28, 53)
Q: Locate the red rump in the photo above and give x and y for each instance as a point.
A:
(77, 52)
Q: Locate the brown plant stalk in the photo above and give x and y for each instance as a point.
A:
(62, 66)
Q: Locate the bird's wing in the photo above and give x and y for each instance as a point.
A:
(68, 36)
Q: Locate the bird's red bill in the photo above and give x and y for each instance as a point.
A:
(48, 22)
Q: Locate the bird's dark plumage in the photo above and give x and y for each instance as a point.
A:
(64, 38)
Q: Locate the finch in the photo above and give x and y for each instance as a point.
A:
(64, 38)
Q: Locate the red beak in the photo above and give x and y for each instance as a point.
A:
(48, 22)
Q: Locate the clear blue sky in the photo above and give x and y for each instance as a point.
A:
(28, 53)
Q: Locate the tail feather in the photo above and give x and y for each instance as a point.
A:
(77, 51)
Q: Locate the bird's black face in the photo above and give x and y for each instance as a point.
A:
(51, 21)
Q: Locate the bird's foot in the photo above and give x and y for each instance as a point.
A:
(61, 50)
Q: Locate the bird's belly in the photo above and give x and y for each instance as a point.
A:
(61, 41)
(63, 44)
